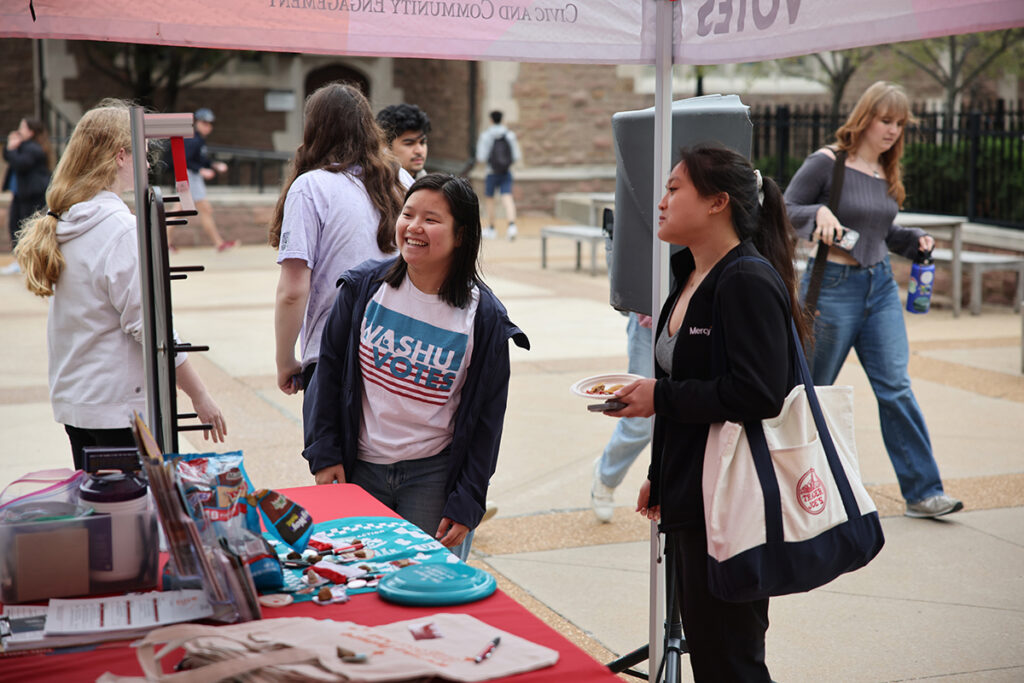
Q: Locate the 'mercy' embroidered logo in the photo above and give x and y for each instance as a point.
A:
(706, 331)
(409, 357)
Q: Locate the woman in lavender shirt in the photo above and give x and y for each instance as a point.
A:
(337, 210)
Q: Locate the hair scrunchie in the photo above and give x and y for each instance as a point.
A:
(760, 185)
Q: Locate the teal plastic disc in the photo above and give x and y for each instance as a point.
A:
(436, 584)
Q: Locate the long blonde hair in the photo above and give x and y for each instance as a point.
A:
(882, 99)
(87, 167)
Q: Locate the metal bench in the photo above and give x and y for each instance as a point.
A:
(979, 263)
(578, 233)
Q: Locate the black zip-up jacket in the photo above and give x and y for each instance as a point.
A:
(755, 326)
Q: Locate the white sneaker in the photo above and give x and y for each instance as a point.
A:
(10, 269)
(601, 496)
(935, 506)
(489, 233)
(512, 232)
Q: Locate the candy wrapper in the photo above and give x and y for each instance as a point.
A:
(215, 487)
(284, 519)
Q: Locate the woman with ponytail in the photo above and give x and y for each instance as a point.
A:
(724, 212)
(82, 253)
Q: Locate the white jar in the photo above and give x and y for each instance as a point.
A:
(116, 550)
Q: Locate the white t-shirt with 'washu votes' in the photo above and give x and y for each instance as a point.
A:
(413, 353)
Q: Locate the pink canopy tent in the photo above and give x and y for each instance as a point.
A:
(656, 32)
(605, 31)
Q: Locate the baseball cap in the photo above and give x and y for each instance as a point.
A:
(204, 114)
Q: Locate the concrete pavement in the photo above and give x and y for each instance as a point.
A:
(944, 599)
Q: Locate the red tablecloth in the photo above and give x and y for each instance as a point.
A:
(326, 503)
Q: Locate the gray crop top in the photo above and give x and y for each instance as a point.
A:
(865, 206)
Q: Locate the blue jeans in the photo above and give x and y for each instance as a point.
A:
(631, 434)
(493, 181)
(415, 489)
(860, 308)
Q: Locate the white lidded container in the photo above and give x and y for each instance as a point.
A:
(118, 555)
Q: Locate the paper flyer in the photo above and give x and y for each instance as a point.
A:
(123, 612)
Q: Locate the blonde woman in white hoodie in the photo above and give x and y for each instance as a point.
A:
(82, 251)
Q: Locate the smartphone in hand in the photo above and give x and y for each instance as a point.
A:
(610, 404)
(848, 239)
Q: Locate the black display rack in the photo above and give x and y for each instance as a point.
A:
(156, 274)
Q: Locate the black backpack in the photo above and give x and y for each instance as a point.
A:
(500, 158)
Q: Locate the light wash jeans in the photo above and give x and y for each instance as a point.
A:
(412, 488)
(631, 434)
(860, 308)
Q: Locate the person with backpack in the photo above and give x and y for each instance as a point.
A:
(498, 148)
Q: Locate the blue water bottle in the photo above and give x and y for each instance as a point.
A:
(922, 277)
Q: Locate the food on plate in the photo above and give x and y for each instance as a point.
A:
(602, 390)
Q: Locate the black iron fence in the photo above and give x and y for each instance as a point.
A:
(970, 164)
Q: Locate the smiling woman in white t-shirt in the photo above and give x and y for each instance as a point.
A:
(408, 397)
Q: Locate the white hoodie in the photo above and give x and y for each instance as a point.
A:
(94, 332)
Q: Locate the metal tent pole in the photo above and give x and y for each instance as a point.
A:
(659, 287)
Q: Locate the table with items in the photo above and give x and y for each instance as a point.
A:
(372, 544)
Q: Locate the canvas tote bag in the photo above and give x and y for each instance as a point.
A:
(785, 510)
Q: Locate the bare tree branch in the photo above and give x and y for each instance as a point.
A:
(210, 71)
(936, 73)
(1009, 39)
(107, 68)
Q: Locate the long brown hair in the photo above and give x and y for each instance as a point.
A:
(39, 134)
(340, 134)
(882, 99)
(87, 167)
(714, 169)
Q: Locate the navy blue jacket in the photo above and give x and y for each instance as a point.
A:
(196, 156)
(28, 162)
(331, 424)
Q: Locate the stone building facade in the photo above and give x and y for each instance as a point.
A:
(560, 112)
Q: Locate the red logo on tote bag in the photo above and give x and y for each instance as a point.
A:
(810, 492)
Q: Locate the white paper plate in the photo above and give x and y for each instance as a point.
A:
(581, 387)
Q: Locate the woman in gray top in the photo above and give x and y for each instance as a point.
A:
(859, 306)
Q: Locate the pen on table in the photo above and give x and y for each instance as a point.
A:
(487, 651)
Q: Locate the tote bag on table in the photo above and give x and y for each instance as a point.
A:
(785, 510)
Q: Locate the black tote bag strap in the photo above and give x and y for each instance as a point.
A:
(821, 256)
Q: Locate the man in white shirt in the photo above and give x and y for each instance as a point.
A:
(405, 129)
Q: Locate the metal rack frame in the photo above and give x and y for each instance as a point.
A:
(159, 346)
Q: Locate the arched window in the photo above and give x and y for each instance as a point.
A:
(336, 72)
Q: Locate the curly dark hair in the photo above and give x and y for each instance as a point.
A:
(398, 118)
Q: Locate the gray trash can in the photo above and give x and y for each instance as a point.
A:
(712, 118)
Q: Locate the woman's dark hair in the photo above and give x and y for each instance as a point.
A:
(339, 134)
(714, 169)
(38, 129)
(465, 209)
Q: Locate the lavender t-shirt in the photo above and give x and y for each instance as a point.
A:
(331, 224)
